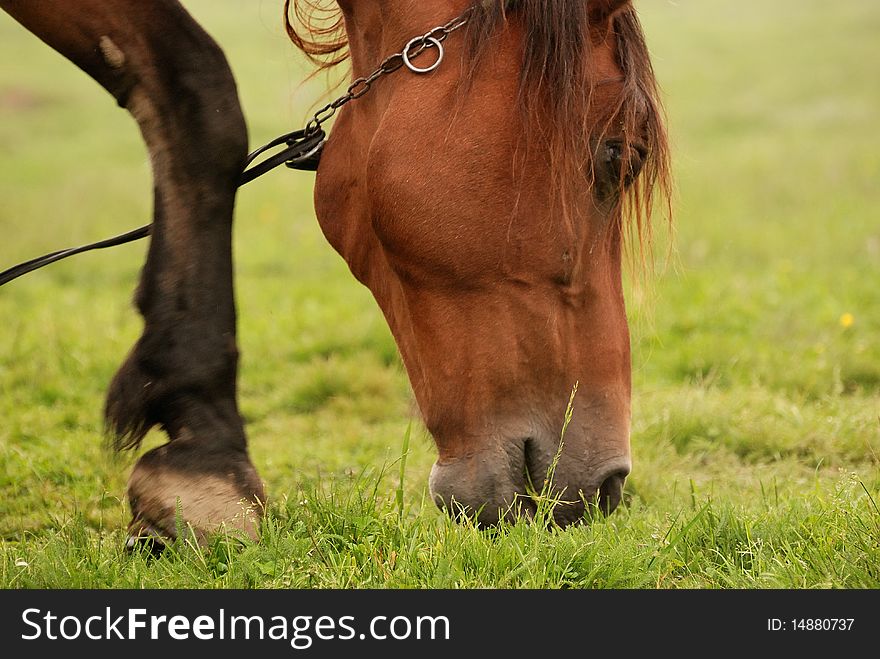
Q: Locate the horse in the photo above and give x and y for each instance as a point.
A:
(486, 194)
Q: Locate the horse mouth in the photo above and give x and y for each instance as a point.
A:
(528, 483)
(546, 480)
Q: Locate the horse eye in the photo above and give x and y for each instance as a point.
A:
(621, 162)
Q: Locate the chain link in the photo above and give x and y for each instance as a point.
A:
(360, 86)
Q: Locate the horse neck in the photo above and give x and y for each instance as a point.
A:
(378, 28)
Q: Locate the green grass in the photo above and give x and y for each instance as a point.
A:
(756, 408)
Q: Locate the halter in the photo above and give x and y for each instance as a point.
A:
(303, 147)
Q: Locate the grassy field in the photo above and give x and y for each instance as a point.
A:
(756, 410)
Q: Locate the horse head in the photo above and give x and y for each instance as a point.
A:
(486, 205)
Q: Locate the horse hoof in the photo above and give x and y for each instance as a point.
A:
(147, 540)
(176, 492)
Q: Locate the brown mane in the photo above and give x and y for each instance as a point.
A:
(555, 69)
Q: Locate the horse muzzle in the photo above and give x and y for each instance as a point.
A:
(515, 479)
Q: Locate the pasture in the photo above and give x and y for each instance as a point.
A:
(756, 360)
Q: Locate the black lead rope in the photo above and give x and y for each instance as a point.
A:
(302, 151)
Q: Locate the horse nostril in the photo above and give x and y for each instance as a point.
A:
(610, 492)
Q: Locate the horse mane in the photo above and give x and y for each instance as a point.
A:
(555, 70)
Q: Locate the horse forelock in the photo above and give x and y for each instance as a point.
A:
(557, 88)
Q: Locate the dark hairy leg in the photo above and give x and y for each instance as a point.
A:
(162, 67)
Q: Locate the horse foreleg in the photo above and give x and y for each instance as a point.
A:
(181, 375)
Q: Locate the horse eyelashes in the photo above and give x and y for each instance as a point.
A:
(617, 165)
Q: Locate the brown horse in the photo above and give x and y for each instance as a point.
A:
(485, 204)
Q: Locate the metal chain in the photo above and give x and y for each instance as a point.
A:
(415, 47)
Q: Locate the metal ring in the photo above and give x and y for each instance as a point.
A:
(425, 42)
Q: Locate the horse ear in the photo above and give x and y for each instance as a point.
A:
(603, 10)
